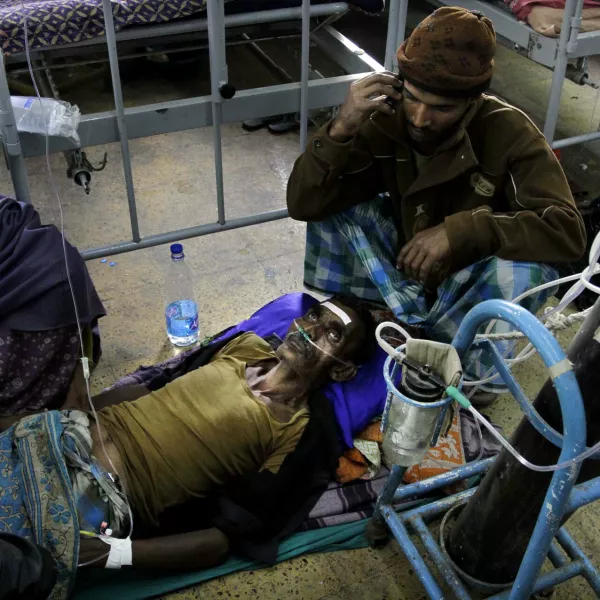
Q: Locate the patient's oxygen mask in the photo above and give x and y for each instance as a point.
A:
(417, 409)
(305, 333)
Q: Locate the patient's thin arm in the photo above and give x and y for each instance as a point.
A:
(128, 393)
(183, 552)
(110, 398)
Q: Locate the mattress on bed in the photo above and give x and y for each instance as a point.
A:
(56, 22)
(545, 16)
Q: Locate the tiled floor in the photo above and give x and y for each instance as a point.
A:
(237, 272)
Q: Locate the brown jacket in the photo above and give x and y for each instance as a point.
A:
(496, 185)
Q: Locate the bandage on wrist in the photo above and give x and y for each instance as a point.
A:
(120, 554)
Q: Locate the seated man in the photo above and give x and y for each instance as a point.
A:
(39, 337)
(456, 191)
(243, 412)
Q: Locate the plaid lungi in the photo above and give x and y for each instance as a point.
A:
(354, 253)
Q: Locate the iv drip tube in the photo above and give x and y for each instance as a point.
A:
(84, 359)
(464, 402)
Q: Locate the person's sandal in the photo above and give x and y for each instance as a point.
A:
(482, 399)
(285, 124)
(251, 125)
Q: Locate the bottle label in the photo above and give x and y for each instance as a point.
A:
(182, 318)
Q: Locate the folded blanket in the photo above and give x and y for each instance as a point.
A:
(361, 461)
(346, 502)
(464, 443)
(364, 460)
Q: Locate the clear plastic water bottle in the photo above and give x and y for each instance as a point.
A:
(182, 309)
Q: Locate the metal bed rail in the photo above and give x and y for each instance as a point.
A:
(188, 26)
(178, 115)
(123, 124)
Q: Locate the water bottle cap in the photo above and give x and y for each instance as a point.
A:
(176, 248)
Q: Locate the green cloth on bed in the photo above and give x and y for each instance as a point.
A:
(133, 585)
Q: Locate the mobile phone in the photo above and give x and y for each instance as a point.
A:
(392, 101)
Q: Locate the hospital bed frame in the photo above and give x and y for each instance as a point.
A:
(123, 124)
(550, 52)
(310, 93)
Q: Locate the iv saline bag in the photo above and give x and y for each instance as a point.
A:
(54, 117)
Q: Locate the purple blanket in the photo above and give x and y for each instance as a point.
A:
(56, 22)
(355, 402)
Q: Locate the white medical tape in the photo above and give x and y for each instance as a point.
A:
(338, 311)
(560, 368)
(120, 554)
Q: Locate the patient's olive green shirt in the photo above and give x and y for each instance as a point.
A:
(199, 430)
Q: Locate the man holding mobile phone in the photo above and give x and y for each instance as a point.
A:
(460, 189)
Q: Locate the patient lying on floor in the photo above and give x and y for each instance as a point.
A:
(243, 412)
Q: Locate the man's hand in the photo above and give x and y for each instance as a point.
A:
(426, 258)
(364, 97)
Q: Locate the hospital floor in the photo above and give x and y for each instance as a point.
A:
(237, 272)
